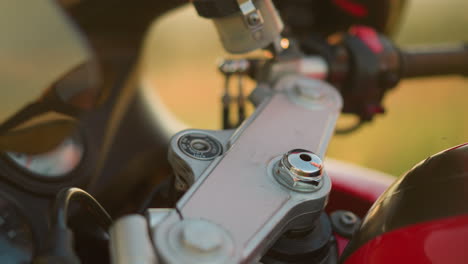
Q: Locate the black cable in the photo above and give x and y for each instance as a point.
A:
(60, 248)
(226, 102)
(68, 195)
(240, 102)
(147, 202)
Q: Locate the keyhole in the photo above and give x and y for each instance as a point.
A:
(305, 157)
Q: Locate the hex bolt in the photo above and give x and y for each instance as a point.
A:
(344, 223)
(299, 170)
(201, 236)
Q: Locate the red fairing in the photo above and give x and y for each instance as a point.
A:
(354, 188)
(443, 241)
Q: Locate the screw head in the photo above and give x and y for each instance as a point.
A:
(300, 170)
(254, 19)
(201, 236)
(194, 240)
(345, 223)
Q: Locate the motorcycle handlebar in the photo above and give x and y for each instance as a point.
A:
(434, 61)
(365, 65)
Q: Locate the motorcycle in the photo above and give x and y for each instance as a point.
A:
(257, 191)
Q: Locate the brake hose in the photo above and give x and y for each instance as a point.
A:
(60, 242)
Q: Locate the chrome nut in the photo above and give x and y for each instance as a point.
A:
(299, 170)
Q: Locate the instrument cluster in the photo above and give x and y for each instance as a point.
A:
(28, 185)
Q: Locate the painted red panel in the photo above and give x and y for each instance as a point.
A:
(443, 241)
(354, 189)
(363, 182)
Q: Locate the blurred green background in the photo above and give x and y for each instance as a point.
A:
(423, 116)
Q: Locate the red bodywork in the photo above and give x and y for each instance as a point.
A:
(420, 243)
(434, 240)
(354, 189)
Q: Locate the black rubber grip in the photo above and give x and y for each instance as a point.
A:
(435, 61)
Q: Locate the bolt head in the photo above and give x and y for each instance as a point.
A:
(202, 236)
(300, 170)
(348, 219)
(254, 19)
(345, 223)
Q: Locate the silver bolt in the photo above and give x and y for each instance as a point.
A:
(299, 170)
(196, 241)
(202, 236)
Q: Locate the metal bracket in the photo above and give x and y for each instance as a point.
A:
(237, 191)
(189, 164)
(253, 18)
